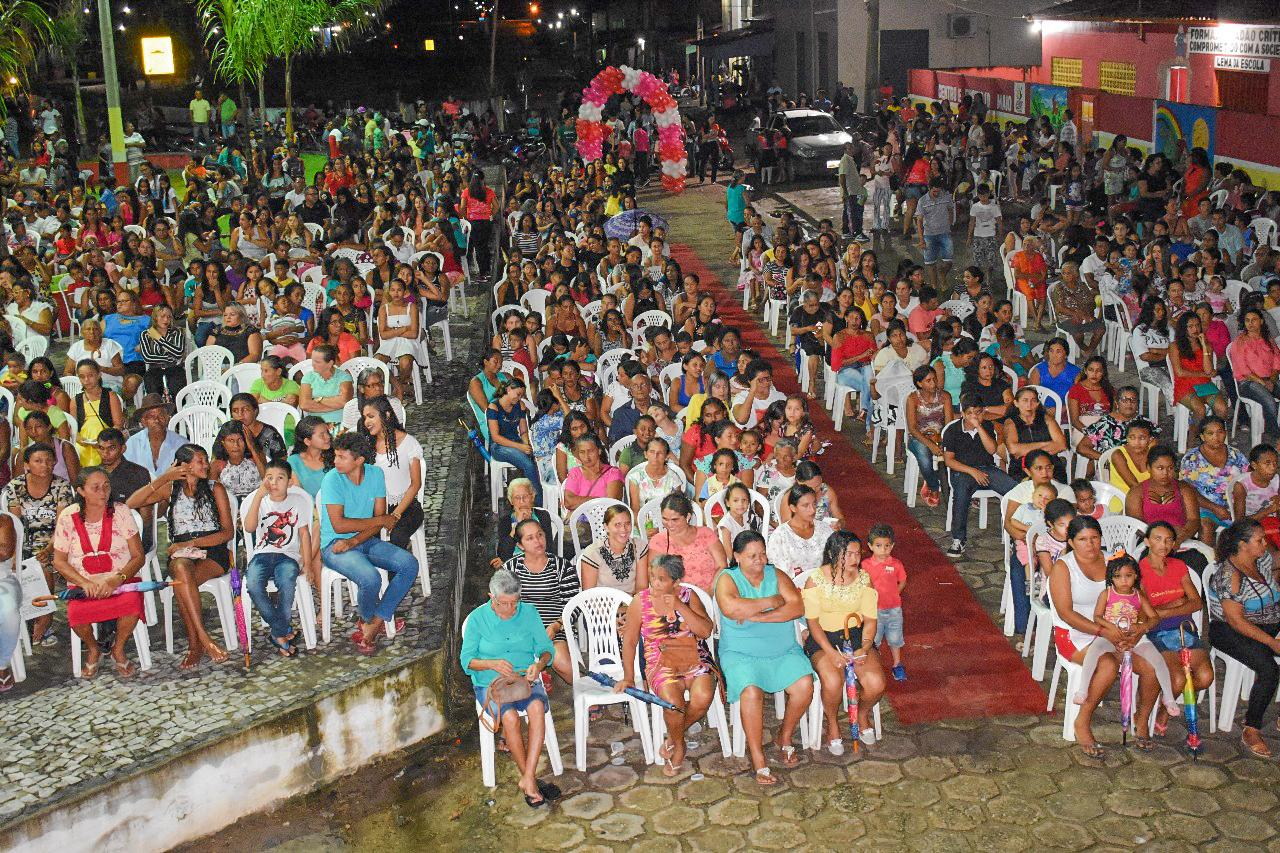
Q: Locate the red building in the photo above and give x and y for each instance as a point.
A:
(1155, 70)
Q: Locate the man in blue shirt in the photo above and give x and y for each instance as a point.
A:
(154, 446)
(353, 514)
(126, 328)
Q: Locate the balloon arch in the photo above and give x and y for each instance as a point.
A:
(614, 81)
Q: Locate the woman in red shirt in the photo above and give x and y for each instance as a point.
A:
(479, 206)
(851, 356)
(1167, 583)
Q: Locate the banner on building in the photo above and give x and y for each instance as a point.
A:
(1193, 124)
(1236, 40)
(1049, 101)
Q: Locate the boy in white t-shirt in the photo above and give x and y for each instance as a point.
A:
(281, 523)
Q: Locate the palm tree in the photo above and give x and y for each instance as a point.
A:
(255, 31)
(24, 29)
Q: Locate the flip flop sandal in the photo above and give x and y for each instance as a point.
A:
(789, 758)
(364, 648)
(89, 670)
(1259, 749)
(765, 777)
(1143, 744)
(124, 671)
(7, 682)
(548, 790)
(1095, 751)
(532, 803)
(286, 650)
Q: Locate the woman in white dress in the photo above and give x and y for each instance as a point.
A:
(398, 331)
(27, 317)
(796, 546)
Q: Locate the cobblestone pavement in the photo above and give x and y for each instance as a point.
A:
(62, 735)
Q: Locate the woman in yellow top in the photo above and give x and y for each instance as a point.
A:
(834, 592)
(1129, 461)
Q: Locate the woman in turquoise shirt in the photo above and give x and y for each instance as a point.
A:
(758, 649)
(950, 367)
(504, 637)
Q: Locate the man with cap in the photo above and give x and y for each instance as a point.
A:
(154, 446)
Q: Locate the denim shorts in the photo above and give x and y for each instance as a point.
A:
(889, 627)
(1170, 640)
(937, 247)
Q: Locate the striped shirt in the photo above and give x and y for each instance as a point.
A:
(548, 590)
(1260, 599)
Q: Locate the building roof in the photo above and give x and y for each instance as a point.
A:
(1164, 11)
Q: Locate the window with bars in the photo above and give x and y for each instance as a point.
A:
(1119, 78)
(1067, 71)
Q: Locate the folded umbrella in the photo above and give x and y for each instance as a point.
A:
(242, 631)
(851, 681)
(627, 223)
(1188, 694)
(475, 439)
(1126, 685)
(77, 593)
(651, 698)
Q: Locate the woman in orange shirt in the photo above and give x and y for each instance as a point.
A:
(1031, 274)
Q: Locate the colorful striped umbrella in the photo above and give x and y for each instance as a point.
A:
(1126, 685)
(76, 593)
(851, 680)
(1189, 694)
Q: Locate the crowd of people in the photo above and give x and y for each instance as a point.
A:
(653, 449)
(241, 344)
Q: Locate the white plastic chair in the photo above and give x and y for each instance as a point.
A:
(208, 362)
(1106, 493)
(1074, 671)
(220, 589)
(199, 424)
(598, 648)
(488, 750)
(1121, 531)
(890, 421)
(206, 392)
(240, 377)
(302, 600)
(71, 385)
(1039, 632)
(32, 347)
(141, 642)
(1252, 408)
(356, 364)
(618, 446)
(981, 495)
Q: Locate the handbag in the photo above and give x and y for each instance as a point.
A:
(679, 654)
(502, 691)
(99, 561)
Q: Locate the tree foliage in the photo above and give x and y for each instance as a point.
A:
(24, 29)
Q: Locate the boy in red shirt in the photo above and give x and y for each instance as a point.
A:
(888, 576)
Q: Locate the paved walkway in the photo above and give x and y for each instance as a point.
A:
(63, 735)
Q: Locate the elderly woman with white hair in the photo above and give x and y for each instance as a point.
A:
(504, 640)
(521, 497)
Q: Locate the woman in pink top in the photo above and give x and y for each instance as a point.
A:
(593, 478)
(1255, 361)
(699, 547)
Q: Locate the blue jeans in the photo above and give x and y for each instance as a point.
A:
(10, 617)
(523, 462)
(360, 565)
(962, 488)
(924, 458)
(937, 247)
(1021, 601)
(857, 377)
(1263, 396)
(282, 569)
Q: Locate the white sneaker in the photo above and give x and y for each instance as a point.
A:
(867, 736)
(836, 747)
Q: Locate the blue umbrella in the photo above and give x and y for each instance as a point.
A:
(651, 698)
(627, 224)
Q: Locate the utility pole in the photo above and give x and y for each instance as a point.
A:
(872, 83)
(493, 47)
(115, 122)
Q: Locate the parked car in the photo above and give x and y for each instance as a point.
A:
(815, 138)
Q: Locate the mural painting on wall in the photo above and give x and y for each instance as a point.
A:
(1049, 101)
(1192, 124)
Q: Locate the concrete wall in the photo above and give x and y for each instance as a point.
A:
(209, 788)
(1003, 37)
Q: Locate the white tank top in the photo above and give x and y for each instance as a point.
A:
(1084, 599)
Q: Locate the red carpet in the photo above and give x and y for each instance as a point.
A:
(959, 664)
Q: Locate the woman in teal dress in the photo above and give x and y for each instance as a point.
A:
(759, 653)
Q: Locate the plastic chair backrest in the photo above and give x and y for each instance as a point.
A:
(208, 362)
(199, 425)
(759, 501)
(594, 612)
(358, 364)
(276, 415)
(590, 513)
(240, 377)
(205, 392)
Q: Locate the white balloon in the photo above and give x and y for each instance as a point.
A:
(630, 77)
(589, 111)
(666, 118)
